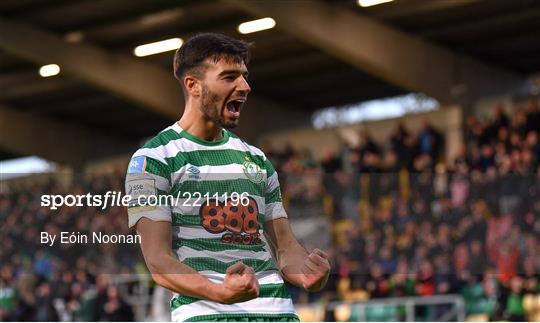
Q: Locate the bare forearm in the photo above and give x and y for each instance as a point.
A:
(306, 270)
(311, 273)
(290, 263)
(168, 272)
(297, 268)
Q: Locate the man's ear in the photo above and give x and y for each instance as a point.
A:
(192, 85)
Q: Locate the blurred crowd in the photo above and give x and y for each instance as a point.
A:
(403, 222)
(408, 223)
(63, 282)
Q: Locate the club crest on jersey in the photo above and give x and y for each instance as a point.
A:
(253, 171)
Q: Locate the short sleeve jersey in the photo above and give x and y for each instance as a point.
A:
(217, 196)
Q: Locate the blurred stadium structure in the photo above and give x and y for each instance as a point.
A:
(434, 215)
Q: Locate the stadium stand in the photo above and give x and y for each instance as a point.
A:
(420, 227)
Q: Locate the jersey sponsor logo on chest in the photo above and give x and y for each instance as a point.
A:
(236, 219)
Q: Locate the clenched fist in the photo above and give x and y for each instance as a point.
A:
(315, 271)
(240, 284)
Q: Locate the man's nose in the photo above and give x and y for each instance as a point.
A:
(243, 85)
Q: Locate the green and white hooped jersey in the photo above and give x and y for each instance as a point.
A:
(217, 196)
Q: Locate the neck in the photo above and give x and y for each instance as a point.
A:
(195, 123)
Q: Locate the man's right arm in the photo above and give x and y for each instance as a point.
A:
(240, 283)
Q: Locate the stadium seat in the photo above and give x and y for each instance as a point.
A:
(343, 286)
(528, 303)
(306, 314)
(356, 295)
(531, 305)
(342, 312)
(382, 313)
(477, 318)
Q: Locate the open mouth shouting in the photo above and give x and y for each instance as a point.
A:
(233, 107)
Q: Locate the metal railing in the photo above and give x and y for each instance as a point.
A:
(359, 310)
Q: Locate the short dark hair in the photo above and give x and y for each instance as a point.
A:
(198, 48)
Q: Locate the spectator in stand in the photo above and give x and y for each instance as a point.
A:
(115, 309)
(470, 227)
(430, 141)
(56, 283)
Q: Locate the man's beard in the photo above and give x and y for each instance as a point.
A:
(212, 111)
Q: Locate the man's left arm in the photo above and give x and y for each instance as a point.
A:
(306, 270)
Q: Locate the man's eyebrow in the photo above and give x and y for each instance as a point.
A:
(235, 71)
